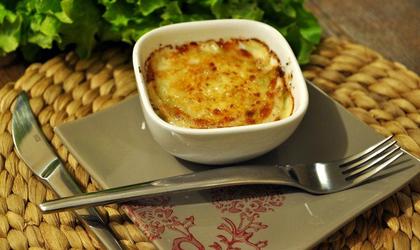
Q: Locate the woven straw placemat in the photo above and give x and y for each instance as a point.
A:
(381, 93)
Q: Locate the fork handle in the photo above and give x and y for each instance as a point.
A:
(220, 177)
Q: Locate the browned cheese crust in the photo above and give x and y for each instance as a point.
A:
(215, 84)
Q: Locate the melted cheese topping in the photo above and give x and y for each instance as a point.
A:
(217, 84)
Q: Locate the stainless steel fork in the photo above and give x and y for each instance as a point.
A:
(317, 178)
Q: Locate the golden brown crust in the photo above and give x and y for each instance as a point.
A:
(217, 84)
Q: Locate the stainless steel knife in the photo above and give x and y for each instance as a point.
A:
(36, 152)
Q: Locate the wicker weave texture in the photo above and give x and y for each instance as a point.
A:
(381, 93)
(61, 89)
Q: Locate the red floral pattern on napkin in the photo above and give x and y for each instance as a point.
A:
(241, 209)
(239, 234)
(155, 215)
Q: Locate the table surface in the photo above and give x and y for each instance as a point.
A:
(389, 27)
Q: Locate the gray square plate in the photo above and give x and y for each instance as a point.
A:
(116, 149)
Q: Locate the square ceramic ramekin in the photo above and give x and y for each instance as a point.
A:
(230, 144)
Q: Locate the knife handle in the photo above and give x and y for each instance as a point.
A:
(64, 185)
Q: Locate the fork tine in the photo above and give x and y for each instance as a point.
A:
(365, 158)
(357, 156)
(375, 170)
(371, 164)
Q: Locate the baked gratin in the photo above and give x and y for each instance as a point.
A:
(215, 84)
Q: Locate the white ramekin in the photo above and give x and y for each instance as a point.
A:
(220, 145)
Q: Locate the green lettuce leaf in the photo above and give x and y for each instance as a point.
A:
(10, 25)
(85, 24)
(146, 7)
(33, 25)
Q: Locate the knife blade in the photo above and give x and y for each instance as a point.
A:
(34, 149)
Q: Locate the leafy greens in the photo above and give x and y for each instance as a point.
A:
(33, 25)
